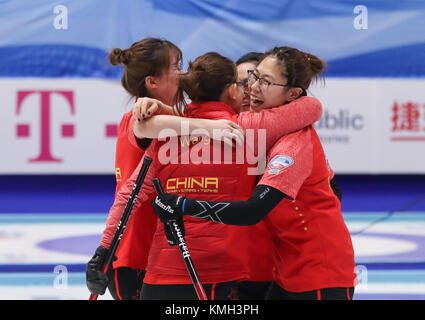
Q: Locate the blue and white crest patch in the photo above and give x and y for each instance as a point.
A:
(279, 163)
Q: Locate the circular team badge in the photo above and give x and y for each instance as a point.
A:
(279, 163)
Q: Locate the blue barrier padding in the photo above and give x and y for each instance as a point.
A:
(95, 193)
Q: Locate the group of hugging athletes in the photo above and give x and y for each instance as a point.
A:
(272, 231)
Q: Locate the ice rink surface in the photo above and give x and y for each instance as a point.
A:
(43, 255)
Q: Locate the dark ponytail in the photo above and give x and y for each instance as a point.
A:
(207, 77)
(317, 66)
(299, 67)
(148, 57)
(118, 56)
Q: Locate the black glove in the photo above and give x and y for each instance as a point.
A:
(168, 209)
(96, 279)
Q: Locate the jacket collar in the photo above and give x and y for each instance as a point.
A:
(209, 110)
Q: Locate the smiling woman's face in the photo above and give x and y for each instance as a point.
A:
(263, 96)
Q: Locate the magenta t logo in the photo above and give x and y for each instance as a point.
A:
(23, 130)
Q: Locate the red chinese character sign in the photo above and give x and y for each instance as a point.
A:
(408, 121)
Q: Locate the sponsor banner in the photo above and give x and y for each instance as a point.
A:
(373, 125)
(69, 126)
(60, 126)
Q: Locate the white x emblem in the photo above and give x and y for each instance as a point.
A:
(209, 212)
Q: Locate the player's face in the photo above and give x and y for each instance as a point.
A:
(266, 86)
(242, 71)
(168, 82)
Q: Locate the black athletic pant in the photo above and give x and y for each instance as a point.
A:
(214, 291)
(253, 290)
(278, 293)
(125, 283)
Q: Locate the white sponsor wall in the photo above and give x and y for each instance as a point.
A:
(60, 126)
(373, 125)
(69, 126)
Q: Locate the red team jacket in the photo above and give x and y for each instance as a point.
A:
(135, 243)
(215, 248)
(278, 122)
(127, 153)
(313, 246)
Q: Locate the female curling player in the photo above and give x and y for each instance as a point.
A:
(313, 253)
(155, 65)
(217, 253)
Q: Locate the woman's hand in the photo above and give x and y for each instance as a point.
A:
(146, 107)
(225, 130)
